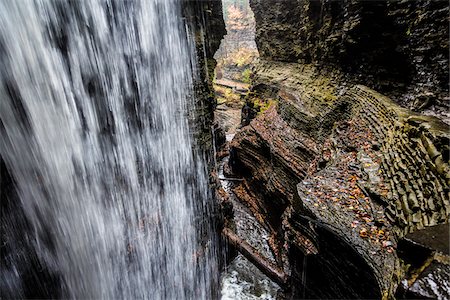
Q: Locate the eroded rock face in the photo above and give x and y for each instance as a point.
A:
(339, 174)
(399, 48)
(205, 20)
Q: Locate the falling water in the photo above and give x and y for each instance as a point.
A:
(95, 103)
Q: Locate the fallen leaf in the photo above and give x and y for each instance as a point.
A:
(363, 233)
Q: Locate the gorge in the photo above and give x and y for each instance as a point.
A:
(142, 160)
(345, 158)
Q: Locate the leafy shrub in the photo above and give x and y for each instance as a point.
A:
(246, 74)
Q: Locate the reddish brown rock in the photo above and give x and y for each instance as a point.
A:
(339, 174)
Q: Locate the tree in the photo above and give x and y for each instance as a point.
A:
(236, 19)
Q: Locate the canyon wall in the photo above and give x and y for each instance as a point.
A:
(344, 177)
(400, 48)
(205, 20)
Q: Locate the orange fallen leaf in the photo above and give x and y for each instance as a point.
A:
(363, 233)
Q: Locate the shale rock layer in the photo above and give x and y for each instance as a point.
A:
(400, 48)
(340, 174)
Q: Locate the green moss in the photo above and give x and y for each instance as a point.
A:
(221, 100)
(246, 74)
(263, 105)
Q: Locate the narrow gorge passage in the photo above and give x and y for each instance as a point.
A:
(224, 149)
(243, 277)
(341, 154)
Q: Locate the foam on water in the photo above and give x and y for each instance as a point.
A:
(242, 280)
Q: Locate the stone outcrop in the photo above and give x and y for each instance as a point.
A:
(399, 48)
(346, 179)
(340, 174)
(205, 21)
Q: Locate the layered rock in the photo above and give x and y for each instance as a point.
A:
(400, 48)
(339, 174)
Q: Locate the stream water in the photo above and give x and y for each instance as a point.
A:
(241, 279)
(95, 136)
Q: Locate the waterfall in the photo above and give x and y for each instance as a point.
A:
(109, 189)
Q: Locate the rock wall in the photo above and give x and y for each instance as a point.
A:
(399, 48)
(205, 21)
(340, 174)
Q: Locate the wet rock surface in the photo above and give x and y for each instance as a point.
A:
(426, 255)
(336, 165)
(205, 19)
(339, 174)
(399, 48)
(426, 285)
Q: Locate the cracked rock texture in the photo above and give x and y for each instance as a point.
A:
(205, 21)
(400, 48)
(338, 172)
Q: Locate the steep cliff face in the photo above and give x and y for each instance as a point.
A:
(397, 47)
(205, 19)
(340, 174)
